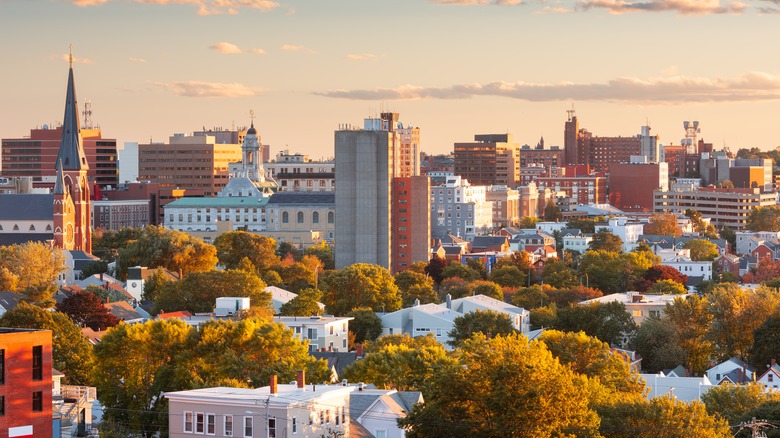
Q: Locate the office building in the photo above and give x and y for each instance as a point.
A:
(298, 173)
(631, 185)
(506, 205)
(583, 147)
(490, 159)
(587, 189)
(726, 207)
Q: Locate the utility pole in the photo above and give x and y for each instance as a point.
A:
(756, 426)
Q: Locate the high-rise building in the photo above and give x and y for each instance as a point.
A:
(369, 215)
(506, 205)
(725, 207)
(631, 185)
(582, 147)
(196, 162)
(490, 159)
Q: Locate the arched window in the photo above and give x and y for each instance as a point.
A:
(32, 227)
(285, 217)
(330, 217)
(315, 217)
(300, 217)
(48, 228)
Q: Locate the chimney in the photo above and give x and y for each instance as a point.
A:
(359, 350)
(449, 301)
(416, 302)
(273, 384)
(301, 379)
(773, 362)
(101, 276)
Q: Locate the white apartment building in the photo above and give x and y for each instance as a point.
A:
(460, 209)
(628, 231)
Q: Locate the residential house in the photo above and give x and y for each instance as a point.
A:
(577, 243)
(748, 240)
(686, 389)
(277, 410)
(454, 247)
(521, 318)
(746, 264)
(697, 271)
(72, 407)
(280, 297)
(324, 333)
(639, 306)
(490, 243)
(137, 276)
(126, 312)
(728, 263)
(377, 411)
(731, 371)
(768, 249)
(628, 231)
(550, 227)
(75, 262)
(771, 377)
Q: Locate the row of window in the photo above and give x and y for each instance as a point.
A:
(206, 424)
(315, 217)
(32, 227)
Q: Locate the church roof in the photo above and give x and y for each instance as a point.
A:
(26, 207)
(303, 198)
(71, 152)
(219, 202)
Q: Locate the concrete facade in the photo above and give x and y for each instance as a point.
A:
(726, 207)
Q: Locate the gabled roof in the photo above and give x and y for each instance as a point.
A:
(746, 261)
(338, 360)
(26, 207)
(513, 231)
(487, 303)
(451, 239)
(7, 239)
(487, 241)
(570, 232)
(9, 300)
(122, 310)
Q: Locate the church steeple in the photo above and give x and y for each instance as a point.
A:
(71, 152)
(59, 183)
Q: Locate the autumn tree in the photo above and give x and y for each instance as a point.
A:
(32, 269)
(198, 291)
(155, 282)
(612, 272)
(71, 352)
(657, 273)
(477, 394)
(699, 225)
(366, 325)
(767, 270)
(528, 222)
(176, 251)
(400, 362)
(610, 322)
(692, 319)
(288, 250)
(605, 240)
(558, 275)
(702, 250)
(360, 285)
(532, 297)
(455, 287)
(87, 310)
(486, 288)
(585, 225)
(297, 276)
(508, 276)
(415, 286)
(663, 225)
(234, 246)
(457, 269)
(106, 244)
(764, 219)
(488, 322)
(435, 268)
(732, 402)
(552, 213)
(660, 417)
(306, 303)
(324, 252)
(658, 343)
(576, 294)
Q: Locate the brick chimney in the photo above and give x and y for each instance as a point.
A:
(359, 350)
(273, 389)
(301, 379)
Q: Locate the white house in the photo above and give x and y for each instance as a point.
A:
(519, 316)
(771, 377)
(680, 259)
(378, 410)
(577, 243)
(628, 232)
(640, 306)
(731, 371)
(325, 333)
(685, 389)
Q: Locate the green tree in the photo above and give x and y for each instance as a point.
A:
(658, 343)
(610, 322)
(400, 363)
(94, 268)
(692, 319)
(162, 247)
(508, 276)
(769, 411)
(34, 268)
(730, 236)
(366, 326)
(552, 213)
(306, 303)
(135, 365)
(574, 295)
(87, 310)
(532, 297)
(324, 252)
(702, 250)
(699, 225)
(234, 246)
(528, 222)
(106, 244)
(732, 402)
(297, 277)
(198, 291)
(605, 240)
(661, 417)
(155, 282)
(288, 250)
(435, 268)
(457, 269)
(612, 272)
(663, 225)
(422, 292)
(488, 322)
(764, 219)
(71, 352)
(558, 275)
(585, 225)
(360, 285)
(456, 287)
(486, 288)
(669, 287)
(766, 342)
(478, 394)
(250, 350)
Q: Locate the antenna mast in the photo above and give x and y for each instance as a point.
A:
(87, 113)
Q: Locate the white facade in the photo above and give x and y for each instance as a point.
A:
(680, 259)
(460, 209)
(639, 306)
(128, 162)
(577, 243)
(686, 389)
(299, 173)
(629, 232)
(324, 333)
(747, 241)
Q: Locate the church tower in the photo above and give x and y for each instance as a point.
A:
(72, 211)
(253, 154)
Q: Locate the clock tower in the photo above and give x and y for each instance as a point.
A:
(72, 210)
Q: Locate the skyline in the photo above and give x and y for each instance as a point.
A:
(454, 68)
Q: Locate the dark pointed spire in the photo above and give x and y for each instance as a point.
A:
(71, 154)
(59, 184)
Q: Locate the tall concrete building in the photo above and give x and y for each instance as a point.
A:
(491, 159)
(196, 162)
(380, 196)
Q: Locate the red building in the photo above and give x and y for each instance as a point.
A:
(25, 383)
(674, 156)
(588, 189)
(411, 219)
(582, 147)
(631, 185)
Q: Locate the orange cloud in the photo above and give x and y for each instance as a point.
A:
(207, 89)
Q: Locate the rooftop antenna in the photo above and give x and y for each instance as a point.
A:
(87, 113)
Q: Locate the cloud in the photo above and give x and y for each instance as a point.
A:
(683, 7)
(207, 89)
(76, 59)
(554, 10)
(138, 60)
(205, 7)
(749, 87)
(361, 57)
(669, 71)
(257, 51)
(294, 48)
(480, 2)
(226, 48)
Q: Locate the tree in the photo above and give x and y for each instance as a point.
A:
(668, 287)
(508, 276)
(519, 259)
(528, 222)
(610, 322)
(730, 236)
(478, 394)
(306, 303)
(692, 320)
(658, 343)
(248, 351)
(558, 275)
(298, 276)
(612, 272)
(604, 240)
(486, 288)
(94, 268)
(732, 402)
(577, 294)
(702, 250)
(532, 297)
(585, 225)
(198, 291)
(457, 269)
(664, 417)
(136, 364)
(657, 273)
(435, 268)
(552, 213)
(764, 219)
(488, 322)
(71, 352)
(766, 342)
(176, 251)
(87, 310)
(33, 268)
(455, 287)
(324, 252)
(769, 412)
(663, 225)
(106, 244)
(360, 285)
(423, 293)
(287, 249)
(767, 270)
(406, 279)
(366, 326)
(234, 246)
(155, 282)
(699, 225)
(400, 362)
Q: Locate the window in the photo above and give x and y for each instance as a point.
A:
(315, 217)
(770, 377)
(312, 333)
(211, 424)
(228, 425)
(2, 367)
(2, 405)
(330, 217)
(285, 217)
(295, 425)
(380, 433)
(37, 362)
(188, 422)
(272, 427)
(300, 217)
(37, 401)
(199, 422)
(248, 423)
(322, 417)
(343, 416)
(338, 417)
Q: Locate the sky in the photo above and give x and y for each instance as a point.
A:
(453, 68)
